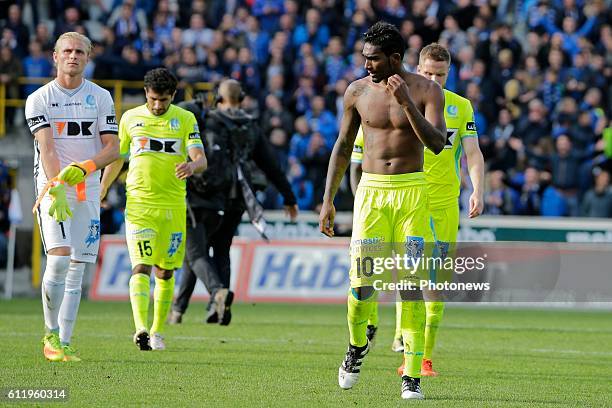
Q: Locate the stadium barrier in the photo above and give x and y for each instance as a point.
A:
(116, 87)
(570, 270)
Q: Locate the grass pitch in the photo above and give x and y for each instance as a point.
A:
(288, 355)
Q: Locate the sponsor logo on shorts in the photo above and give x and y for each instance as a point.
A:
(175, 243)
(35, 121)
(94, 233)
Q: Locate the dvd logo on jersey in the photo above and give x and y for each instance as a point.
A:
(90, 102)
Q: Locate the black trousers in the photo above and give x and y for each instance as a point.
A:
(211, 231)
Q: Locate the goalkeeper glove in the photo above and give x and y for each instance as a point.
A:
(60, 210)
(76, 173)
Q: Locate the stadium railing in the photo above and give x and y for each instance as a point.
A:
(116, 87)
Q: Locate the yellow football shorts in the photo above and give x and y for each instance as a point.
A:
(391, 228)
(155, 236)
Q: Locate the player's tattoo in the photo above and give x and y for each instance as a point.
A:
(359, 89)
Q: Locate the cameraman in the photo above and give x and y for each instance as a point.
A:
(218, 198)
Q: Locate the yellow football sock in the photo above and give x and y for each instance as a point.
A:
(373, 319)
(413, 332)
(162, 300)
(357, 317)
(435, 310)
(398, 320)
(139, 298)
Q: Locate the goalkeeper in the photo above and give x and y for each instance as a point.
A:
(75, 134)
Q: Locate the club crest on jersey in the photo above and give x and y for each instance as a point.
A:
(175, 243)
(90, 102)
(174, 124)
(94, 233)
(452, 110)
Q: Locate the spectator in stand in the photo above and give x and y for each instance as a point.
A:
(530, 192)
(300, 139)
(268, 13)
(453, 38)
(499, 199)
(321, 120)
(312, 32)
(315, 162)
(43, 36)
(303, 94)
(164, 22)
(126, 27)
(150, 47)
(246, 71)
(37, 65)
(597, 202)
(534, 127)
(197, 34)
(137, 7)
(503, 157)
(275, 116)
(258, 41)
(70, 22)
(189, 70)
(335, 65)
(10, 71)
(20, 30)
(301, 187)
(565, 164)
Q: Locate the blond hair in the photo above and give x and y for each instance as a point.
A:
(72, 35)
(435, 52)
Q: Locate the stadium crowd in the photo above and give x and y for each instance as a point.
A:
(537, 74)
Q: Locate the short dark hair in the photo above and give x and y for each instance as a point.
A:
(387, 37)
(160, 80)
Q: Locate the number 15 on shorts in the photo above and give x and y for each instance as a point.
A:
(144, 248)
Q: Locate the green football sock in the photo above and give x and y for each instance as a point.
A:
(373, 319)
(357, 317)
(413, 332)
(435, 310)
(139, 298)
(398, 320)
(162, 300)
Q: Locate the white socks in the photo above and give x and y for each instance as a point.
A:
(52, 289)
(72, 299)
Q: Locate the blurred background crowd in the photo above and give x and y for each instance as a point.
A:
(537, 73)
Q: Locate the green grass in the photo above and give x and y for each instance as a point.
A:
(288, 355)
